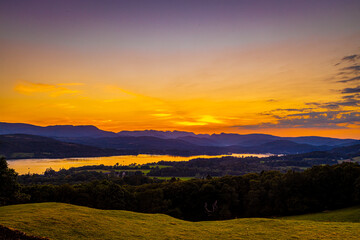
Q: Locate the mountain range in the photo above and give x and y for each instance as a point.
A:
(99, 142)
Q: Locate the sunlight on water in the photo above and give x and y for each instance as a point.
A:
(24, 166)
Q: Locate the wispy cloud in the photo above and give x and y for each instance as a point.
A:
(351, 72)
(351, 58)
(355, 68)
(161, 114)
(201, 121)
(209, 119)
(351, 90)
(357, 78)
(121, 92)
(189, 123)
(53, 90)
(118, 89)
(329, 119)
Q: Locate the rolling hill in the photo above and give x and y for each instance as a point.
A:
(154, 133)
(17, 146)
(54, 131)
(343, 215)
(195, 146)
(14, 146)
(178, 143)
(65, 221)
(220, 140)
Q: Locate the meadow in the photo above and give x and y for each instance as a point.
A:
(65, 221)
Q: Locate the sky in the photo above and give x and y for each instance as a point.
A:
(287, 68)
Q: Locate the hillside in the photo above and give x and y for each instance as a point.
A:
(187, 146)
(14, 146)
(64, 221)
(219, 140)
(54, 131)
(342, 215)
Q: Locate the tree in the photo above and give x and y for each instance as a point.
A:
(9, 187)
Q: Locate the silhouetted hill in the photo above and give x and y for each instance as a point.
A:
(288, 147)
(150, 145)
(202, 141)
(154, 133)
(318, 141)
(228, 139)
(54, 131)
(30, 146)
(63, 132)
(183, 147)
(353, 150)
(174, 142)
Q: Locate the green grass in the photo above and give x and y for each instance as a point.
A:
(342, 215)
(65, 221)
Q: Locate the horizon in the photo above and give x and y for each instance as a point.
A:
(174, 130)
(284, 68)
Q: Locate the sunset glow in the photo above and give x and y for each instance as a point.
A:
(288, 69)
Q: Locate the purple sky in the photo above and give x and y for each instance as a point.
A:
(173, 25)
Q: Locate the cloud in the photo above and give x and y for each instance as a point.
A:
(121, 90)
(188, 123)
(351, 97)
(357, 78)
(161, 114)
(209, 119)
(355, 68)
(70, 84)
(349, 74)
(53, 90)
(201, 121)
(295, 109)
(337, 114)
(351, 90)
(117, 89)
(330, 119)
(351, 58)
(350, 101)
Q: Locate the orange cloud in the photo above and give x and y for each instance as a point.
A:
(53, 90)
(209, 119)
(202, 121)
(161, 114)
(188, 123)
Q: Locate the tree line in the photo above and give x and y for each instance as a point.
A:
(264, 194)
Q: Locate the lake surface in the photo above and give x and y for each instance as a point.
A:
(24, 166)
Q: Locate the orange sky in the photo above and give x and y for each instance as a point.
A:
(282, 82)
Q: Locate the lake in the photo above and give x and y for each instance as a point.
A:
(24, 166)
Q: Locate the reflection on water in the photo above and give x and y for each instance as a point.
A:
(24, 166)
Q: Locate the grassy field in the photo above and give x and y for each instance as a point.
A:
(342, 215)
(65, 221)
